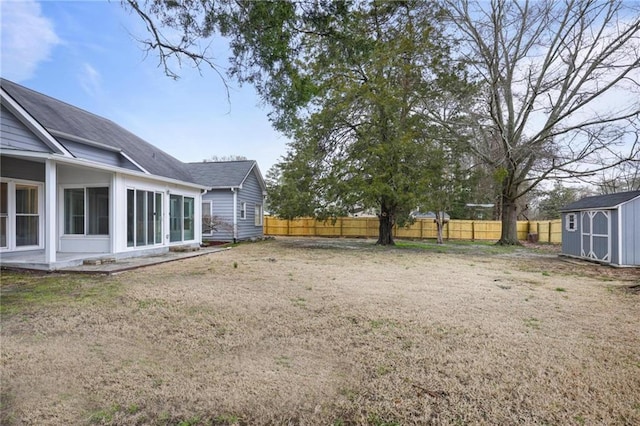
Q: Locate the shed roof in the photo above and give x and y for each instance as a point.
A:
(223, 174)
(58, 116)
(602, 201)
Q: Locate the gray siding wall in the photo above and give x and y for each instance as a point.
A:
(251, 193)
(615, 256)
(21, 169)
(222, 208)
(97, 154)
(16, 135)
(630, 233)
(600, 226)
(571, 239)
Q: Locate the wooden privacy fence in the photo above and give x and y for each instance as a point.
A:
(485, 230)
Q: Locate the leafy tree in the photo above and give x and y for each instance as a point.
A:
(552, 201)
(217, 158)
(362, 139)
(559, 95)
(347, 81)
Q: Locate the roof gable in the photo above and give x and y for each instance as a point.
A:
(602, 201)
(224, 174)
(59, 117)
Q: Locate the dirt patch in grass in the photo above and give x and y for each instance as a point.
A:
(307, 331)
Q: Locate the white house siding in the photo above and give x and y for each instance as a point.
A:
(631, 233)
(222, 200)
(251, 194)
(16, 135)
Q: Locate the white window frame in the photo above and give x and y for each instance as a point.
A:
(85, 212)
(11, 214)
(243, 210)
(207, 211)
(258, 215)
(571, 219)
(156, 227)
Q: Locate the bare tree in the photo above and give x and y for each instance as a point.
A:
(214, 223)
(559, 89)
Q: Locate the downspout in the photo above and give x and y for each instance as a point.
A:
(235, 215)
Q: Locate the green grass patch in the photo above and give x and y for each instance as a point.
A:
(23, 291)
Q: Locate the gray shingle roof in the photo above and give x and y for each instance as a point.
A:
(57, 115)
(602, 201)
(221, 174)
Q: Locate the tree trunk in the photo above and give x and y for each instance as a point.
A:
(509, 222)
(387, 219)
(439, 226)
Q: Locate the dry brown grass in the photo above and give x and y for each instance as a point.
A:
(316, 332)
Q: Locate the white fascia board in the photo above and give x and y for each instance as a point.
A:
(32, 124)
(255, 169)
(85, 141)
(100, 166)
(135, 163)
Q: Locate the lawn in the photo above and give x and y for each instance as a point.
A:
(327, 332)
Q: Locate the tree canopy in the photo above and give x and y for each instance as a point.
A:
(376, 99)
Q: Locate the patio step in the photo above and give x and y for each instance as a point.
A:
(100, 261)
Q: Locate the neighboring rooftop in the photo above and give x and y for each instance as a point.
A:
(58, 116)
(225, 174)
(602, 201)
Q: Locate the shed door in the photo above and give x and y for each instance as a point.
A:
(595, 231)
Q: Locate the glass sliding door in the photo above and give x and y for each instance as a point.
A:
(189, 233)
(158, 218)
(131, 214)
(144, 218)
(175, 218)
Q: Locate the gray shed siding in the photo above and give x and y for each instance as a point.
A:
(615, 255)
(16, 135)
(631, 233)
(21, 169)
(571, 239)
(222, 200)
(251, 194)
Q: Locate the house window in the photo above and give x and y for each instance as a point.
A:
(86, 211)
(571, 222)
(27, 215)
(144, 218)
(207, 220)
(4, 213)
(243, 210)
(20, 214)
(258, 215)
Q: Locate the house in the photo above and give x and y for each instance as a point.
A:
(76, 186)
(603, 228)
(233, 205)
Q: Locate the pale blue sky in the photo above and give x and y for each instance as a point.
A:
(85, 53)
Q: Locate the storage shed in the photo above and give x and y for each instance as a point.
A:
(603, 228)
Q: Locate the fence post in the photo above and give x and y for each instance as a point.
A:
(473, 230)
(421, 229)
(288, 227)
